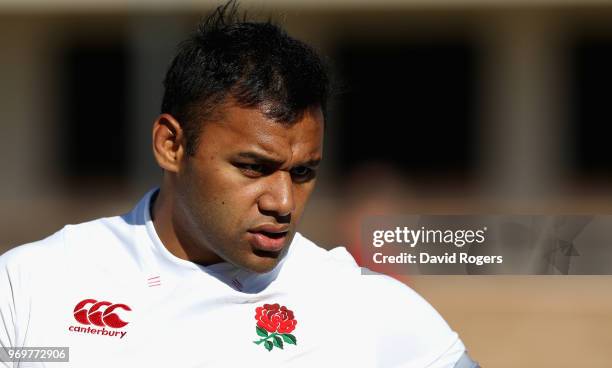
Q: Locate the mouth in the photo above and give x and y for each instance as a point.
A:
(269, 238)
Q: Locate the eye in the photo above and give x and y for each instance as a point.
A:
(251, 170)
(302, 174)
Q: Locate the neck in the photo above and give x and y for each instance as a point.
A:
(161, 214)
(176, 238)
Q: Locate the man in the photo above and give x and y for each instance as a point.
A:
(209, 271)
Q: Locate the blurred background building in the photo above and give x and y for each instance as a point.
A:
(441, 106)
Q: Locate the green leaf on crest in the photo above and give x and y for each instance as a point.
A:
(261, 332)
(278, 342)
(289, 339)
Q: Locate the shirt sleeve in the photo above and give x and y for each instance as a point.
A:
(18, 267)
(466, 362)
(7, 306)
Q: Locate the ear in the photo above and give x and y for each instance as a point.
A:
(168, 143)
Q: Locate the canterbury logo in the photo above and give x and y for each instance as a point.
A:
(93, 312)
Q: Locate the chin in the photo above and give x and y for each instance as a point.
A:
(260, 270)
(263, 262)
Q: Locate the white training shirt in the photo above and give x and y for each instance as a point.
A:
(162, 311)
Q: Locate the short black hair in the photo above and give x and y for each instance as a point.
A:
(256, 64)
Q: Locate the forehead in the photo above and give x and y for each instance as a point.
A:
(237, 129)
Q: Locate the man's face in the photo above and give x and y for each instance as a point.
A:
(241, 195)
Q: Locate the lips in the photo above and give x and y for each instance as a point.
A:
(269, 237)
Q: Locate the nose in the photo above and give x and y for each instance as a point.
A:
(278, 198)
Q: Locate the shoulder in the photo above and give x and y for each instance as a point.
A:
(32, 255)
(87, 241)
(305, 254)
(308, 263)
(23, 270)
(338, 269)
(403, 327)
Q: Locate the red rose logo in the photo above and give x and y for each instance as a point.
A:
(274, 324)
(275, 318)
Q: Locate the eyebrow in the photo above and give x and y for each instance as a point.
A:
(312, 163)
(259, 158)
(262, 159)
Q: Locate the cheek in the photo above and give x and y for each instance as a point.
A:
(302, 194)
(227, 193)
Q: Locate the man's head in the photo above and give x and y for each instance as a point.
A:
(240, 138)
(256, 64)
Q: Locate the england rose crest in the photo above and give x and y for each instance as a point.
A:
(274, 325)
